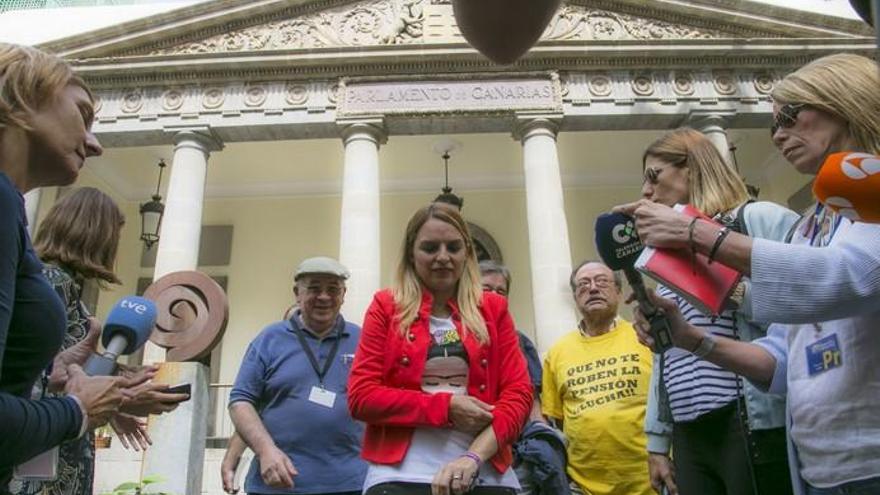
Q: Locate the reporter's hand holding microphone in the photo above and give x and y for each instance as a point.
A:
(684, 335)
(101, 393)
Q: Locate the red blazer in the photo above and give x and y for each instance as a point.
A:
(384, 387)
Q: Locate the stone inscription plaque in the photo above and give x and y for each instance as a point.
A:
(413, 97)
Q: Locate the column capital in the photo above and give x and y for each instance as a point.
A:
(527, 126)
(372, 129)
(709, 120)
(202, 138)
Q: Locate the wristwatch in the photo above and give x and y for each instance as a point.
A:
(706, 345)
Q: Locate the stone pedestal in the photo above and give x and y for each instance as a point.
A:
(178, 451)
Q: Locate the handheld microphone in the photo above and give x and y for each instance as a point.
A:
(127, 328)
(619, 246)
(849, 183)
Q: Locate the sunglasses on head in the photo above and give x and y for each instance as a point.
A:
(786, 117)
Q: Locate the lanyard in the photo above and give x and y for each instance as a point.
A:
(313, 360)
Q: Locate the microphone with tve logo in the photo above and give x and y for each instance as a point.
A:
(619, 246)
(127, 328)
(849, 183)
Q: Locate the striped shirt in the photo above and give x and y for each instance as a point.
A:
(695, 386)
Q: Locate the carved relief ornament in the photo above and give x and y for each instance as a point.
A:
(683, 84)
(374, 22)
(575, 22)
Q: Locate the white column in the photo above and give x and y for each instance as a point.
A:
(31, 208)
(714, 126)
(549, 251)
(178, 247)
(359, 242)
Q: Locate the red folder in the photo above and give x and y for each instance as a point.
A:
(706, 286)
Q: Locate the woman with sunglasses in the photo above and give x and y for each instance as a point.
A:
(711, 418)
(823, 288)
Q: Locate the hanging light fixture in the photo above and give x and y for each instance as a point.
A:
(445, 149)
(151, 214)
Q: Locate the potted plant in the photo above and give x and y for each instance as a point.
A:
(103, 436)
(138, 487)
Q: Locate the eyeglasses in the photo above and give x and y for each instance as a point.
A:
(652, 175)
(786, 117)
(317, 290)
(599, 282)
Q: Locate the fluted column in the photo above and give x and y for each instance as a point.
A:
(549, 251)
(714, 126)
(181, 228)
(359, 242)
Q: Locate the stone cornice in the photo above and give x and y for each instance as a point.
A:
(737, 17)
(785, 16)
(491, 102)
(407, 59)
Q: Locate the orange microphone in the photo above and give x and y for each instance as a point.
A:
(849, 183)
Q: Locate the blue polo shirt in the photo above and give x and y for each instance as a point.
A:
(277, 377)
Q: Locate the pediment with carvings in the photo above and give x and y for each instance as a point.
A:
(397, 22)
(369, 23)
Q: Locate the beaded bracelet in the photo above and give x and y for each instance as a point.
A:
(473, 456)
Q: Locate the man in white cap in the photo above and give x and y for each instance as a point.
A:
(289, 401)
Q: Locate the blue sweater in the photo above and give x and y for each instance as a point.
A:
(32, 326)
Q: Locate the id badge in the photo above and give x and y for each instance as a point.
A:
(823, 355)
(43, 467)
(322, 397)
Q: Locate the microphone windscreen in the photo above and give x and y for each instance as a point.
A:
(849, 183)
(863, 8)
(617, 241)
(503, 30)
(132, 317)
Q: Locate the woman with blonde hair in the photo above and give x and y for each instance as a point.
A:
(713, 424)
(46, 114)
(438, 376)
(822, 287)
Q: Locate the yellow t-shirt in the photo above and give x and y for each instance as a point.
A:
(599, 387)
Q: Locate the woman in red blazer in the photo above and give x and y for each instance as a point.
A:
(438, 376)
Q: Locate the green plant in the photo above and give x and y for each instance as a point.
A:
(138, 487)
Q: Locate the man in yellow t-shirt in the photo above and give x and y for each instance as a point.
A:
(596, 383)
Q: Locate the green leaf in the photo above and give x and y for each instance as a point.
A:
(152, 479)
(127, 487)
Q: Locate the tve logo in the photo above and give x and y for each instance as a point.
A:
(133, 305)
(623, 233)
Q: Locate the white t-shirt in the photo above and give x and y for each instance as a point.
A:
(432, 448)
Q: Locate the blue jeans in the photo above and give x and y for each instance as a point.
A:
(869, 486)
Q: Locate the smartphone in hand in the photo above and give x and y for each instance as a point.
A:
(183, 388)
